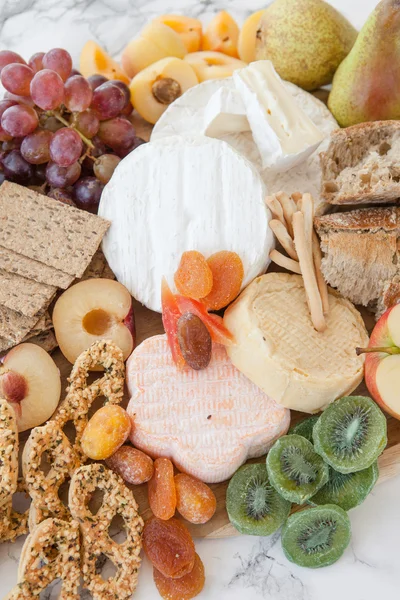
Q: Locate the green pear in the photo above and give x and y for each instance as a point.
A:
(366, 86)
(306, 40)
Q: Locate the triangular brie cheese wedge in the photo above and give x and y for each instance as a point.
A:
(225, 113)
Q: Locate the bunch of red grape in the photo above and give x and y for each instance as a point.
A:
(60, 133)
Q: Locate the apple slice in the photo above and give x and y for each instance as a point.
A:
(30, 382)
(382, 362)
(92, 310)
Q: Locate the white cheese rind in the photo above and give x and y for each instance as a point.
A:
(225, 113)
(182, 193)
(208, 422)
(285, 136)
(280, 351)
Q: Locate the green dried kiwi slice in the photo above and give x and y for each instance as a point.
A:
(254, 506)
(347, 490)
(305, 428)
(316, 537)
(350, 434)
(295, 470)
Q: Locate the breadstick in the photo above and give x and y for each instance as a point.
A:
(285, 262)
(323, 288)
(296, 196)
(275, 208)
(307, 269)
(288, 208)
(306, 205)
(284, 238)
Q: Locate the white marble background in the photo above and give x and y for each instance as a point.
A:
(241, 567)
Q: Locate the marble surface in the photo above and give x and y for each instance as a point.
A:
(241, 567)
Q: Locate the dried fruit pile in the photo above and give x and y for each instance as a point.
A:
(59, 132)
(329, 462)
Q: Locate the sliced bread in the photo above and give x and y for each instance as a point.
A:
(361, 252)
(362, 164)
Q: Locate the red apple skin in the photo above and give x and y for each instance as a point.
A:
(129, 323)
(380, 337)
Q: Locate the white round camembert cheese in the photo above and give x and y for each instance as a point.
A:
(182, 193)
(279, 350)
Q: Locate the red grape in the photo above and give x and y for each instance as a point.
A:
(16, 168)
(96, 80)
(47, 89)
(62, 176)
(17, 78)
(99, 147)
(65, 147)
(127, 110)
(87, 122)
(61, 195)
(36, 62)
(122, 152)
(77, 93)
(40, 173)
(60, 61)
(14, 144)
(4, 104)
(108, 101)
(19, 120)
(117, 133)
(19, 99)
(87, 193)
(105, 166)
(74, 72)
(52, 124)
(35, 147)
(7, 57)
(2, 177)
(123, 87)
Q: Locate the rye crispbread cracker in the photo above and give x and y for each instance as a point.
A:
(44, 324)
(50, 232)
(45, 339)
(32, 269)
(98, 268)
(24, 295)
(14, 326)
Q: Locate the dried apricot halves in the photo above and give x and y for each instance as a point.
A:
(195, 501)
(169, 547)
(193, 277)
(227, 271)
(185, 587)
(161, 488)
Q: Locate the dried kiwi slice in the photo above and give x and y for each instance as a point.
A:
(295, 470)
(316, 537)
(254, 506)
(350, 434)
(347, 490)
(305, 428)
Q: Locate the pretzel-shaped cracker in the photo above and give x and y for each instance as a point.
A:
(118, 499)
(42, 488)
(80, 395)
(51, 552)
(12, 523)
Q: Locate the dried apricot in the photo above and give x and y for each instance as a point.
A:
(169, 547)
(106, 431)
(193, 277)
(194, 341)
(228, 273)
(195, 501)
(161, 488)
(133, 465)
(185, 587)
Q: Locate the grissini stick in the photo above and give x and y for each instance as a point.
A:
(284, 238)
(275, 208)
(306, 205)
(288, 208)
(322, 286)
(307, 269)
(285, 262)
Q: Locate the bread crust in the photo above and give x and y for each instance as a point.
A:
(362, 164)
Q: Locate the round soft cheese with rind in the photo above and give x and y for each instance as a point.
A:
(279, 350)
(182, 193)
(186, 115)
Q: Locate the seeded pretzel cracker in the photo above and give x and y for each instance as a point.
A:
(42, 488)
(80, 395)
(12, 523)
(117, 499)
(51, 552)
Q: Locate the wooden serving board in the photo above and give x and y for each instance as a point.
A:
(148, 324)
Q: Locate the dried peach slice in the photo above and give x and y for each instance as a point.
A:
(189, 29)
(228, 273)
(222, 34)
(213, 65)
(193, 277)
(157, 86)
(94, 60)
(170, 317)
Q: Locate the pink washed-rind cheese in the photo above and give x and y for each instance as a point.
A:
(207, 422)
